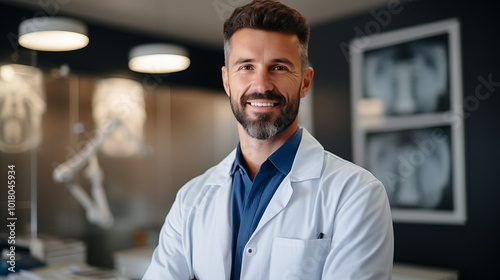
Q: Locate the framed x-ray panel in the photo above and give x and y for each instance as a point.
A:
(408, 120)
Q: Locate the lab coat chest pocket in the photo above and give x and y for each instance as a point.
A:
(298, 259)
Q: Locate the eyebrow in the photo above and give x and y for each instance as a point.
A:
(276, 60)
(243, 61)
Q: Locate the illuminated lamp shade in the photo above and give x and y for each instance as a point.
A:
(158, 58)
(53, 34)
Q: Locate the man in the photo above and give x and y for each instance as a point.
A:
(279, 206)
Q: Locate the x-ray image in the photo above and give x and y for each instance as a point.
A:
(405, 83)
(22, 104)
(123, 100)
(415, 166)
(409, 78)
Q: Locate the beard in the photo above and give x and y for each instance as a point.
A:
(264, 127)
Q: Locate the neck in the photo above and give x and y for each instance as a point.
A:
(256, 151)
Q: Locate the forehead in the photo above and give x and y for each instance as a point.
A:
(256, 42)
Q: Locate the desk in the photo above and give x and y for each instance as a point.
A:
(70, 272)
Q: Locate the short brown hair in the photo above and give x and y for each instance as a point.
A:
(268, 15)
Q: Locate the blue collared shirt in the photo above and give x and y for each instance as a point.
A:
(250, 199)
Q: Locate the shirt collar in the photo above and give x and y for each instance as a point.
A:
(237, 161)
(282, 158)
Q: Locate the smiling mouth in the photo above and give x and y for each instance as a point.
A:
(263, 104)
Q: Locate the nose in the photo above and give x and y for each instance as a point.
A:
(262, 81)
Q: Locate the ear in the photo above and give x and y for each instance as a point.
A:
(306, 82)
(225, 79)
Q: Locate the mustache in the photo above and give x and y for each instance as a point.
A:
(269, 95)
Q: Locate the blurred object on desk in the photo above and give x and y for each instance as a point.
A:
(133, 263)
(54, 250)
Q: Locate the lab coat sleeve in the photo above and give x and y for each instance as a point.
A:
(362, 242)
(169, 260)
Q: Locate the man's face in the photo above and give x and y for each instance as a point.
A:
(264, 81)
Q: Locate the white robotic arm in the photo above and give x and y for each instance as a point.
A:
(65, 172)
(118, 108)
(96, 206)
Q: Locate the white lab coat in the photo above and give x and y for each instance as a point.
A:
(322, 194)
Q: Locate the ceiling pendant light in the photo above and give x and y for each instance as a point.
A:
(158, 58)
(53, 34)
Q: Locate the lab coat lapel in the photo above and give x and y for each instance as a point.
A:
(222, 228)
(277, 203)
(305, 167)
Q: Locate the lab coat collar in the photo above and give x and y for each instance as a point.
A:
(306, 165)
(308, 162)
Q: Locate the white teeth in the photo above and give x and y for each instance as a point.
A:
(262, 104)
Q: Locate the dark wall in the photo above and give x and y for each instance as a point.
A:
(473, 248)
(107, 53)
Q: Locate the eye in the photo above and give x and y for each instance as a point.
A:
(279, 68)
(245, 67)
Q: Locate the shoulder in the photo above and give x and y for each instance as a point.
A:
(337, 166)
(350, 182)
(196, 188)
(314, 162)
(331, 173)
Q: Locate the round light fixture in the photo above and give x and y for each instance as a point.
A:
(158, 58)
(53, 34)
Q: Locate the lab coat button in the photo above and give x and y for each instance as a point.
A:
(250, 251)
